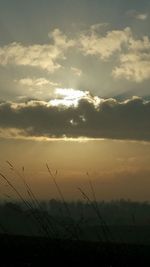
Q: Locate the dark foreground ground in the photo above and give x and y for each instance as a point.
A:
(37, 251)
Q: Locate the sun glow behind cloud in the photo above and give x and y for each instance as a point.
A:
(71, 97)
(68, 97)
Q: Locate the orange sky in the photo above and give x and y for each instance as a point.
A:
(117, 169)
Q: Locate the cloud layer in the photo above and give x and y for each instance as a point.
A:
(108, 119)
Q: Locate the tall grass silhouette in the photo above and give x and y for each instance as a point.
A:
(74, 229)
(29, 205)
(48, 225)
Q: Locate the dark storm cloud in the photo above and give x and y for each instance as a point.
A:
(128, 119)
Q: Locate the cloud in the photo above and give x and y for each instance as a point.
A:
(93, 43)
(76, 71)
(133, 54)
(36, 82)
(137, 15)
(37, 87)
(141, 16)
(135, 63)
(109, 119)
(43, 56)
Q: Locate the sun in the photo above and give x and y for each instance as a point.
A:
(68, 97)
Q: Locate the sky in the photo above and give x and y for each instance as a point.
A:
(74, 92)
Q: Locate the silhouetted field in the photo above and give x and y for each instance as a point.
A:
(87, 232)
(32, 237)
(120, 221)
(38, 251)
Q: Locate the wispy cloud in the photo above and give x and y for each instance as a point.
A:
(137, 15)
(141, 16)
(76, 71)
(36, 82)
